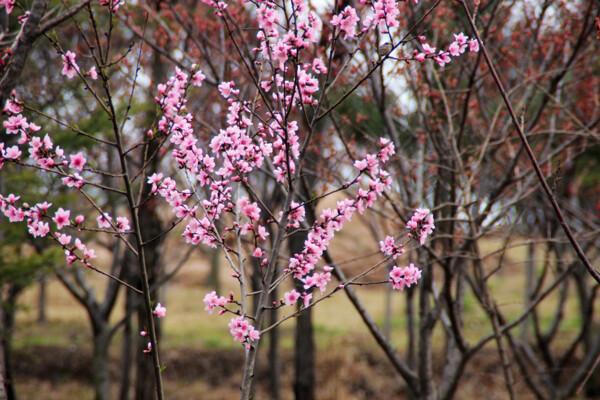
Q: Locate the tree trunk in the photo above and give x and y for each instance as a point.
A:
(151, 230)
(101, 361)
(3, 395)
(304, 385)
(144, 381)
(8, 325)
(127, 347)
(274, 359)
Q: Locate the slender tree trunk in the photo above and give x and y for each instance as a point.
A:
(304, 385)
(101, 361)
(529, 287)
(213, 278)
(144, 381)
(3, 395)
(151, 231)
(274, 359)
(128, 346)
(8, 325)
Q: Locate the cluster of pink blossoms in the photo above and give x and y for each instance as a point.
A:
(238, 155)
(455, 49)
(112, 4)
(390, 248)
(213, 301)
(404, 277)
(421, 225)
(242, 331)
(331, 221)
(50, 158)
(71, 69)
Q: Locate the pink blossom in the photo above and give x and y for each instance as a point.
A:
(197, 78)
(92, 73)
(77, 161)
(123, 224)
(160, 311)
(12, 107)
(428, 49)
(154, 180)
(420, 57)
(61, 217)
(70, 67)
(74, 180)
(12, 153)
(39, 229)
(389, 247)
(296, 215)
(227, 89)
(262, 233)
(14, 214)
(212, 301)
(113, 4)
(104, 221)
(306, 299)
(63, 238)
(79, 219)
(257, 252)
(251, 210)
(15, 124)
(361, 165)
(291, 297)
(89, 253)
(454, 49)
(442, 58)
(474, 45)
(460, 38)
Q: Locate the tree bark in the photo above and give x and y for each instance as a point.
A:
(304, 384)
(8, 325)
(101, 361)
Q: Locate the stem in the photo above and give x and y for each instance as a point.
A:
(140, 253)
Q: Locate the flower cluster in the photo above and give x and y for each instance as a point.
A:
(421, 225)
(112, 4)
(242, 331)
(390, 248)
(404, 277)
(212, 301)
(331, 221)
(455, 49)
